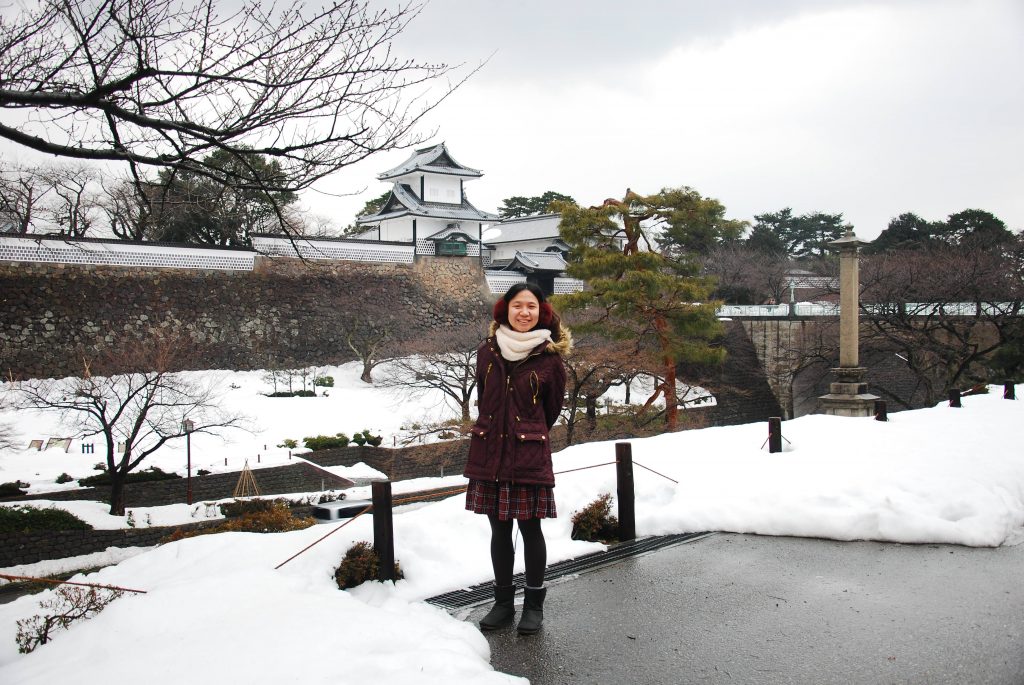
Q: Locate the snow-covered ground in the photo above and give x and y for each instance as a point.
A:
(349, 407)
(933, 475)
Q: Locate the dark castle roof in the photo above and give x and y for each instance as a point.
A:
(404, 202)
(436, 160)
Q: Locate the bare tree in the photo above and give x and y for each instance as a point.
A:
(74, 202)
(595, 365)
(452, 372)
(371, 324)
(22, 189)
(163, 84)
(136, 412)
(8, 434)
(128, 215)
(943, 310)
(746, 275)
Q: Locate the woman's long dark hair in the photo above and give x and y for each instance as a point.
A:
(548, 318)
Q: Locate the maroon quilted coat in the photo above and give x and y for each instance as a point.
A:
(519, 402)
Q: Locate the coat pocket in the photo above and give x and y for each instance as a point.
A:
(532, 450)
(481, 428)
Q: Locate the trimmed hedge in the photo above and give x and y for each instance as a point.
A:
(144, 476)
(325, 442)
(26, 519)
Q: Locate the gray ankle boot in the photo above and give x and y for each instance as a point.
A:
(533, 610)
(504, 611)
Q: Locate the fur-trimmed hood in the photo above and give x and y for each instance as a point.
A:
(562, 346)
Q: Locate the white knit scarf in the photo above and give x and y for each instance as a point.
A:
(515, 345)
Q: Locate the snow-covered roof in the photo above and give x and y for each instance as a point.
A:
(537, 261)
(540, 227)
(435, 159)
(404, 202)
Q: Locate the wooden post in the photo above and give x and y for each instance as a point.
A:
(881, 413)
(624, 479)
(775, 434)
(1009, 391)
(383, 530)
(954, 398)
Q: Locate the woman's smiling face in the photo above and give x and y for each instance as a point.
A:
(523, 311)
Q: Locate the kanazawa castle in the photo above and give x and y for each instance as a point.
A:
(429, 208)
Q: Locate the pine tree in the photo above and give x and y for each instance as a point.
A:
(641, 292)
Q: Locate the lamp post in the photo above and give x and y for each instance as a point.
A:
(188, 425)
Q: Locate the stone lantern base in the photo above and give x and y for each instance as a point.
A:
(848, 395)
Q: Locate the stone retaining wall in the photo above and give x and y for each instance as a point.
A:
(284, 313)
(17, 549)
(446, 458)
(274, 480)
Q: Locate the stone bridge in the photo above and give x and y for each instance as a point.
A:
(796, 345)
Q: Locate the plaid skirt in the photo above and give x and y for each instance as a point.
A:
(509, 501)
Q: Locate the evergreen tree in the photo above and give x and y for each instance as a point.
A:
(807, 235)
(222, 209)
(373, 206)
(693, 224)
(518, 206)
(780, 225)
(815, 231)
(908, 231)
(640, 292)
(764, 240)
(977, 228)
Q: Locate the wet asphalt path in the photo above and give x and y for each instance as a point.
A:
(749, 609)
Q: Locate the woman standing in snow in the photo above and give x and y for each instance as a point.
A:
(520, 380)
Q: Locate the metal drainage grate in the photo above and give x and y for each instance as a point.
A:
(484, 592)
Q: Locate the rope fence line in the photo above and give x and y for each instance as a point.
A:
(456, 491)
(317, 542)
(584, 468)
(448, 493)
(636, 463)
(68, 582)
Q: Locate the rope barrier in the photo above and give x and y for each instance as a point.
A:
(584, 468)
(449, 493)
(636, 463)
(68, 582)
(368, 508)
(769, 438)
(438, 495)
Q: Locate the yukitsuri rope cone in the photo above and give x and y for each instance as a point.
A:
(246, 483)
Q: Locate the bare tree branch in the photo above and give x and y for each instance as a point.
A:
(160, 83)
(139, 411)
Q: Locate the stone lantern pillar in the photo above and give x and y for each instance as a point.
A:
(848, 395)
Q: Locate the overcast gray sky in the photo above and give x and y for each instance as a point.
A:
(862, 107)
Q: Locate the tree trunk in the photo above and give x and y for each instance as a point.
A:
(570, 421)
(671, 401)
(591, 403)
(669, 388)
(367, 368)
(116, 493)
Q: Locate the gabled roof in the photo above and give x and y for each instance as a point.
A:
(435, 160)
(539, 227)
(537, 261)
(451, 231)
(403, 202)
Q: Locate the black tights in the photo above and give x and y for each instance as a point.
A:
(503, 551)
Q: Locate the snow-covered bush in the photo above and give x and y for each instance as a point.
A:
(594, 522)
(360, 564)
(326, 442)
(28, 519)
